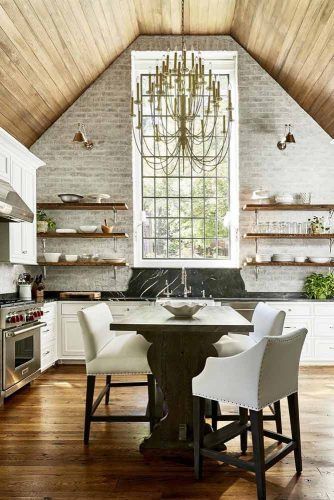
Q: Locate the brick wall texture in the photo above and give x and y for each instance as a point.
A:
(264, 108)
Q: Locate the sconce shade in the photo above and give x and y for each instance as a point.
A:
(289, 137)
(78, 137)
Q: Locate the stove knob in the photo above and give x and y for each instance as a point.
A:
(13, 319)
(17, 318)
(21, 317)
(35, 314)
(41, 313)
(8, 319)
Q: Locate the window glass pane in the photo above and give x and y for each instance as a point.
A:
(185, 207)
(148, 187)
(148, 206)
(161, 186)
(185, 228)
(173, 207)
(173, 228)
(173, 248)
(186, 249)
(173, 186)
(161, 207)
(185, 186)
(161, 248)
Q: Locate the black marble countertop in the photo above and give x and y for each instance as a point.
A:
(246, 297)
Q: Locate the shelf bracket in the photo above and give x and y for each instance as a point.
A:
(115, 215)
(115, 244)
(257, 270)
(44, 272)
(115, 275)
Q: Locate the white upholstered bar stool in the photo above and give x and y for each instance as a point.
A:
(108, 354)
(267, 321)
(254, 379)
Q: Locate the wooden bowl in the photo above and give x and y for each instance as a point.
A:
(107, 229)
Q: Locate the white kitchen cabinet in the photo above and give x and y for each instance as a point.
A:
(71, 338)
(49, 336)
(318, 318)
(70, 342)
(18, 167)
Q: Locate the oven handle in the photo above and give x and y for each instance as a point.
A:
(24, 330)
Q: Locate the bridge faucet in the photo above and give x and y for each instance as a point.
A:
(184, 281)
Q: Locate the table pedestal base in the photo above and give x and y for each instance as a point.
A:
(174, 363)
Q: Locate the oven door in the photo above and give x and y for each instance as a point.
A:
(21, 354)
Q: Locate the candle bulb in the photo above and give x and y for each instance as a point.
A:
(138, 93)
(218, 89)
(210, 79)
(131, 107)
(229, 98)
(224, 124)
(184, 59)
(139, 119)
(167, 62)
(202, 127)
(179, 68)
(192, 60)
(149, 83)
(175, 61)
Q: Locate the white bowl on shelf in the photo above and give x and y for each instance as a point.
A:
(300, 259)
(51, 257)
(71, 258)
(88, 229)
(319, 260)
(283, 257)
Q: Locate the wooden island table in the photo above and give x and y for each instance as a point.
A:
(178, 351)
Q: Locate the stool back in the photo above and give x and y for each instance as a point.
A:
(95, 324)
(267, 322)
(278, 373)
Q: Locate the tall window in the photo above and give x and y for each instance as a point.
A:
(187, 216)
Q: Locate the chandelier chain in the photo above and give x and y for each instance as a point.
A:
(182, 24)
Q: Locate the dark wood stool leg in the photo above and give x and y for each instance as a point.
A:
(243, 418)
(89, 404)
(151, 400)
(256, 419)
(214, 414)
(278, 416)
(108, 380)
(198, 425)
(295, 429)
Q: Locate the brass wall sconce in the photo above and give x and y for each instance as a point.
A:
(81, 136)
(287, 138)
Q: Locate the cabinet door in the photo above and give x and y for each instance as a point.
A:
(16, 240)
(29, 228)
(23, 234)
(4, 167)
(71, 337)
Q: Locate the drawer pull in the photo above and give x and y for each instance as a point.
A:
(331, 326)
(290, 327)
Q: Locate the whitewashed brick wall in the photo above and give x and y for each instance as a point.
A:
(264, 109)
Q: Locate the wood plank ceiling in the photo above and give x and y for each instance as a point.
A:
(52, 50)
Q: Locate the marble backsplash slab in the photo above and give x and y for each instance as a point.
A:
(151, 282)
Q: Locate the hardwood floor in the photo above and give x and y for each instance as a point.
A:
(42, 455)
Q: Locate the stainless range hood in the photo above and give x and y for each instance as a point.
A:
(12, 207)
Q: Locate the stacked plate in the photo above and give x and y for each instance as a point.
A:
(283, 257)
(262, 257)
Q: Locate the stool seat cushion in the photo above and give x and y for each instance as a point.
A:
(232, 344)
(123, 354)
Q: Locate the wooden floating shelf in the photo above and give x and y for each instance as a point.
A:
(83, 206)
(53, 234)
(279, 206)
(83, 264)
(294, 264)
(321, 236)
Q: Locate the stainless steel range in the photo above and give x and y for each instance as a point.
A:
(20, 326)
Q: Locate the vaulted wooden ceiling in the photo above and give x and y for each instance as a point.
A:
(52, 50)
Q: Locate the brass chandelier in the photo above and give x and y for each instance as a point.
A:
(188, 113)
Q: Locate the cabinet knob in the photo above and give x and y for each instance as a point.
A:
(25, 251)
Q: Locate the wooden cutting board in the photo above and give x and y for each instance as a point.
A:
(83, 295)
